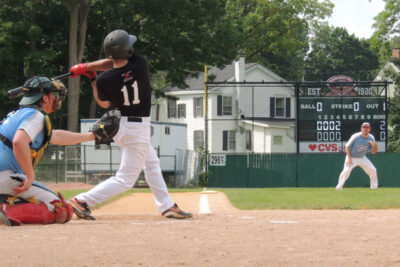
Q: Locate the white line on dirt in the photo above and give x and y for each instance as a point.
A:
(203, 205)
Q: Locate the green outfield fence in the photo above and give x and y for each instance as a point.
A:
(302, 170)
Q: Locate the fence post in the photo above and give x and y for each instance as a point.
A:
(110, 160)
(56, 164)
(84, 162)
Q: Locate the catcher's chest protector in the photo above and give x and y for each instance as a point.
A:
(36, 154)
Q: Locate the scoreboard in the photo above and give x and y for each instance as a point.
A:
(326, 121)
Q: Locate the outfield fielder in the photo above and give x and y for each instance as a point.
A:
(125, 85)
(356, 149)
(24, 136)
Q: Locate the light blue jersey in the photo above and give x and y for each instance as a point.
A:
(32, 122)
(359, 145)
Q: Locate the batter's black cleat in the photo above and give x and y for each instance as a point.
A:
(4, 220)
(176, 213)
(81, 209)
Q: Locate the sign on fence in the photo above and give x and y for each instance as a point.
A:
(217, 160)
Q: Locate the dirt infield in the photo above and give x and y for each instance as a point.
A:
(131, 232)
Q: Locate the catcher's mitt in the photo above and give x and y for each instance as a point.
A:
(107, 126)
(374, 147)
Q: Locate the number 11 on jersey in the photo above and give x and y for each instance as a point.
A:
(136, 99)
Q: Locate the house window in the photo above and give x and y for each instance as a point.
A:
(224, 105)
(228, 140)
(171, 109)
(167, 130)
(277, 140)
(197, 107)
(198, 139)
(181, 110)
(152, 131)
(280, 107)
(248, 140)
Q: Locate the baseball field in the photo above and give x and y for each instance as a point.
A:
(231, 227)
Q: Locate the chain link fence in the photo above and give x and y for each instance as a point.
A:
(92, 164)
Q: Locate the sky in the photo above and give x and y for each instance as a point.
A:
(357, 16)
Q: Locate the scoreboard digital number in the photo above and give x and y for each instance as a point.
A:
(326, 122)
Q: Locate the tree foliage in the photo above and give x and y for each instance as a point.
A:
(387, 34)
(394, 109)
(335, 52)
(275, 33)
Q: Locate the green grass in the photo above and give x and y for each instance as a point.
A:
(313, 198)
(292, 198)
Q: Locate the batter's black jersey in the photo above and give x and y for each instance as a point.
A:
(127, 88)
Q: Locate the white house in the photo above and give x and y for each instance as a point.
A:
(391, 67)
(242, 118)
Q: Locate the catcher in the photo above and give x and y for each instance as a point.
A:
(356, 149)
(25, 134)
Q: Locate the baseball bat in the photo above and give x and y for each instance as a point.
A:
(19, 91)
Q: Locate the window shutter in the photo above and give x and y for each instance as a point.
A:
(219, 105)
(272, 107)
(169, 109)
(224, 140)
(157, 112)
(288, 107)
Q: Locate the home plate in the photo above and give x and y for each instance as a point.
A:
(283, 222)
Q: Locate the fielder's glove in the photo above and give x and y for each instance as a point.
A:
(374, 147)
(107, 126)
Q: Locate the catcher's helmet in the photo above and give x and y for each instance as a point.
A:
(118, 44)
(35, 87)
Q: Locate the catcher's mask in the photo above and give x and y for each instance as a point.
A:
(36, 87)
(118, 44)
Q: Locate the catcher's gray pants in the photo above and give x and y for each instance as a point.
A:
(365, 164)
(137, 153)
(9, 180)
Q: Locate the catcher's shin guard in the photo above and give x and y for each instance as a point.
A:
(28, 213)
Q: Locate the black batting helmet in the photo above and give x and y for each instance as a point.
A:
(118, 44)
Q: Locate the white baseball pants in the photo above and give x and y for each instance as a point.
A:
(137, 153)
(9, 180)
(365, 164)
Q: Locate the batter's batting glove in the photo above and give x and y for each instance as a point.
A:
(78, 69)
(91, 74)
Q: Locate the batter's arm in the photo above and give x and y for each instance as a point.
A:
(22, 154)
(65, 138)
(100, 65)
(103, 104)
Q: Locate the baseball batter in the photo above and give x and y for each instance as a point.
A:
(125, 85)
(356, 149)
(24, 136)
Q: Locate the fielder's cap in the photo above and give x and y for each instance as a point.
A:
(366, 124)
(34, 89)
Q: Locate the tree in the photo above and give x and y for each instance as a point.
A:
(78, 10)
(394, 110)
(335, 52)
(387, 34)
(32, 39)
(275, 33)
